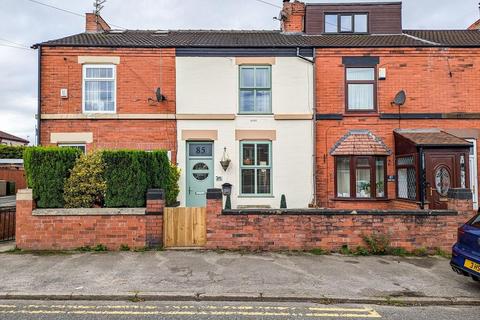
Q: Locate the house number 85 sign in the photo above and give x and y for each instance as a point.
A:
(200, 150)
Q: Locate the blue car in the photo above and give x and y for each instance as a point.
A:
(466, 252)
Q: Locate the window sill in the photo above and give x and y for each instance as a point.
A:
(361, 114)
(254, 114)
(408, 200)
(245, 196)
(362, 199)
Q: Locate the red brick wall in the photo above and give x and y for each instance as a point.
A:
(15, 174)
(139, 73)
(72, 232)
(329, 232)
(425, 76)
(116, 134)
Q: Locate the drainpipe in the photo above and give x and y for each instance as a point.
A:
(422, 178)
(314, 126)
(39, 99)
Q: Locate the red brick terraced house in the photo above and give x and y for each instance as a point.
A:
(341, 108)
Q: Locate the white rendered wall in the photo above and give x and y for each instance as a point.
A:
(210, 86)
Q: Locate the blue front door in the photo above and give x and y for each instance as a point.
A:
(199, 172)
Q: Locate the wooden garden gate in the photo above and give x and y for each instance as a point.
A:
(184, 227)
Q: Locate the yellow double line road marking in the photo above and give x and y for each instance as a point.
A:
(190, 310)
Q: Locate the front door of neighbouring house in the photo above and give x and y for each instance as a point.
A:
(199, 175)
(440, 172)
(473, 172)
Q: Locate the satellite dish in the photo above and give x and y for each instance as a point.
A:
(400, 98)
(160, 96)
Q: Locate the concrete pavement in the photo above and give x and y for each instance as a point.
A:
(8, 201)
(208, 275)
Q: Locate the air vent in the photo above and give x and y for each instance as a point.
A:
(161, 32)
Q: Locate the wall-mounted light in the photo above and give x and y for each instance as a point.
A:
(225, 162)
(227, 189)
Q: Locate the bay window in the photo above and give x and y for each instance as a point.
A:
(256, 167)
(360, 89)
(99, 92)
(360, 177)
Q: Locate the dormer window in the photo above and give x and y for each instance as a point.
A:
(346, 23)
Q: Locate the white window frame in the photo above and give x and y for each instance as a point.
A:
(114, 69)
(74, 145)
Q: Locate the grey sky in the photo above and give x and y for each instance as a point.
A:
(24, 22)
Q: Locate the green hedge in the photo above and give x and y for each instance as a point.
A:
(126, 178)
(11, 152)
(129, 174)
(47, 168)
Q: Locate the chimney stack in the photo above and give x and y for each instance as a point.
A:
(293, 16)
(95, 23)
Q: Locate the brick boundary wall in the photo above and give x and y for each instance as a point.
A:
(331, 229)
(15, 174)
(67, 229)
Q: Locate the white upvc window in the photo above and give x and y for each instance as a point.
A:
(99, 88)
(81, 146)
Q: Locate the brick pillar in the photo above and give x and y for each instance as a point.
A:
(214, 210)
(23, 225)
(154, 217)
(461, 201)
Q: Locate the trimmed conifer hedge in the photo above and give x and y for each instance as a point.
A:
(129, 174)
(11, 152)
(47, 168)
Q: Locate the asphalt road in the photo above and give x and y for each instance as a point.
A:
(42, 310)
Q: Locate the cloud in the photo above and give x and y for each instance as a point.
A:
(27, 23)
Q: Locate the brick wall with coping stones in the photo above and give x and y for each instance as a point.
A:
(15, 174)
(424, 75)
(330, 232)
(72, 232)
(139, 73)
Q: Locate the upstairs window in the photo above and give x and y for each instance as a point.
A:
(361, 89)
(99, 88)
(346, 23)
(255, 89)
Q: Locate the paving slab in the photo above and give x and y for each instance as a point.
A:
(214, 274)
(8, 201)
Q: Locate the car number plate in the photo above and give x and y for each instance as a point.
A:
(472, 265)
